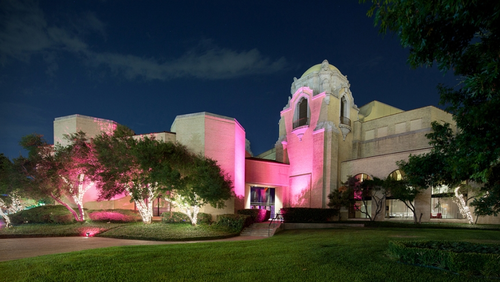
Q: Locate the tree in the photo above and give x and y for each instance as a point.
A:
(437, 168)
(368, 192)
(10, 194)
(142, 167)
(203, 182)
(60, 171)
(341, 197)
(79, 168)
(461, 36)
(401, 190)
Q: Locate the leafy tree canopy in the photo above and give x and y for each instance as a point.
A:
(463, 37)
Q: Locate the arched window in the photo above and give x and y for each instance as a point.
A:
(344, 114)
(397, 175)
(362, 202)
(301, 116)
(362, 177)
(395, 208)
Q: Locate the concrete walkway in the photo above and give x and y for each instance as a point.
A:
(11, 249)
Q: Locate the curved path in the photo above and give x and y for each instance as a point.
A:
(11, 249)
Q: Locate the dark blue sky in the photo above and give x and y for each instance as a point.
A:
(141, 63)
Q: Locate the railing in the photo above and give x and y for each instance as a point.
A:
(276, 218)
(301, 122)
(345, 120)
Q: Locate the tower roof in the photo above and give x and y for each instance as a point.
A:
(317, 68)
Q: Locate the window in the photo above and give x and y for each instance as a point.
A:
(301, 116)
(396, 175)
(344, 113)
(395, 208)
(361, 204)
(442, 204)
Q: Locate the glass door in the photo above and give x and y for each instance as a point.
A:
(262, 198)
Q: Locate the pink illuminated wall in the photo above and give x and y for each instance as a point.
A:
(239, 165)
(266, 172)
(305, 148)
(220, 138)
(225, 142)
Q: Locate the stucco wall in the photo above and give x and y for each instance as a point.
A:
(90, 125)
(397, 132)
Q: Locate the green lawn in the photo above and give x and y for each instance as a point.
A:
(351, 254)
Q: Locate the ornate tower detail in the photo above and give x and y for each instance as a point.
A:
(312, 126)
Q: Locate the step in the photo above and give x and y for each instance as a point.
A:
(261, 229)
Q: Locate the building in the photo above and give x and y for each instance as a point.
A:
(324, 137)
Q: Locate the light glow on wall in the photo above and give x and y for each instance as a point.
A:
(305, 149)
(239, 163)
(300, 191)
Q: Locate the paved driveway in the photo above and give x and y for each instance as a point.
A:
(11, 249)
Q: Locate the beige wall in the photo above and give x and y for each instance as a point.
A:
(90, 125)
(396, 132)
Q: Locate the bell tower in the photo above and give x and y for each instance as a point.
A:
(315, 134)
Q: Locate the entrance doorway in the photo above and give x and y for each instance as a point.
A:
(262, 198)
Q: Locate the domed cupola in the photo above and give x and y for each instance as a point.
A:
(321, 78)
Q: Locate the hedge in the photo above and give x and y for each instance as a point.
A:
(114, 216)
(460, 257)
(234, 222)
(256, 215)
(304, 215)
(43, 214)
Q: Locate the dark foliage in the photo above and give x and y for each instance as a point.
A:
(308, 215)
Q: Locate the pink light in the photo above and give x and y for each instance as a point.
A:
(239, 160)
(358, 195)
(305, 149)
(89, 231)
(107, 126)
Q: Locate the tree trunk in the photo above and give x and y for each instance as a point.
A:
(6, 217)
(75, 215)
(145, 210)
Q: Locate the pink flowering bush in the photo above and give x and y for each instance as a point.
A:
(114, 215)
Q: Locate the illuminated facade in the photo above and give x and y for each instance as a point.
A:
(323, 138)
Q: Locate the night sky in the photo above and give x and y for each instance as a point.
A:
(141, 63)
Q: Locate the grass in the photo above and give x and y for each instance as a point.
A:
(349, 254)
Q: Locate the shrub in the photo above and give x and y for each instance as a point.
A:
(304, 215)
(460, 257)
(177, 217)
(234, 222)
(114, 216)
(205, 218)
(44, 214)
(256, 215)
